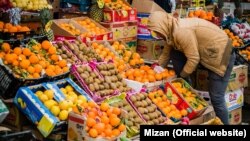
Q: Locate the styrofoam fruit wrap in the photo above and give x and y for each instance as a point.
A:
(132, 119)
(188, 94)
(146, 109)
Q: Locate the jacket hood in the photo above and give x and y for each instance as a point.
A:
(163, 23)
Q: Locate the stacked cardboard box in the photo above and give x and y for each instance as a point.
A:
(235, 91)
(148, 47)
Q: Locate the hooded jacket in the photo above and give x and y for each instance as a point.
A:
(201, 42)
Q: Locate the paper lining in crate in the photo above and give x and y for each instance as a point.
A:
(107, 35)
(187, 97)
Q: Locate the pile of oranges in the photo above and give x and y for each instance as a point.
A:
(246, 53)
(160, 99)
(8, 27)
(147, 74)
(102, 121)
(70, 28)
(30, 62)
(91, 27)
(201, 14)
(237, 42)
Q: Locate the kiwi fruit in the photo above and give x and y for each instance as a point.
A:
(148, 101)
(141, 110)
(150, 109)
(138, 104)
(156, 121)
(92, 87)
(80, 70)
(137, 119)
(129, 123)
(133, 98)
(146, 117)
(144, 103)
(158, 113)
(84, 76)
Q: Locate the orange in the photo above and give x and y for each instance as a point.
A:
(8, 25)
(99, 127)
(36, 75)
(6, 47)
(42, 63)
(9, 58)
(31, 69)
(132, 62)
(109, 111)
(116, 132)
(26, 52)
(166, 110)
(122, 127)
(171, 72)
(105, 119)
(62, 63)
(13, 29)
(93, 133)
(91, 104)
(25, 64)
(172, 107)
(136, 56)
(116, 111)
(58, 71)
(15, 63)
(52, 50)
(90, 122)
(33, 59)
(128, 53)
(108, 132)
(197, 13)
(65, 69)
(137, 73)
(139, 79)
(151, 78)
(184, 112)
(24, 29)
(129, 72)
(131, 77)
(21, 57)
(38, 68)
(158, 76)
(151, 72)
(17, 50)
(49, 72)
(115, 121)
(46, 44)
(191, 14)
(104, 106)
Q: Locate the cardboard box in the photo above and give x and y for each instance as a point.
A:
(233, 99)
(205, 117)
(146, 6)
(235, 116)
(122, 29)
(238, 78)
(119, 15)
(35, 110)
(103, 37)
(150, 49)
(59, 32)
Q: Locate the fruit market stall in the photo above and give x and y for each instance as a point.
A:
(87, 77)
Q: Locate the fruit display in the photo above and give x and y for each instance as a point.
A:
(147, 109)
(117, 5)
(146, 74)
(185, 91)
(84, 53)
(245, 53)
(133, 120)
(112, 77)
(201, 14)
(70, 28)
(161, 100)
(91, 27)
(8, 27)
(65, 53)
(237, 42)
(33, 5)
(242, 30)
(31, 61)
(102, 121)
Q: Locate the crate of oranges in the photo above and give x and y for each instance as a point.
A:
(96, 122)
(21, 66)
(186, 97)
(93, 29)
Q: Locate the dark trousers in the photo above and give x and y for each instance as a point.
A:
(217, 84)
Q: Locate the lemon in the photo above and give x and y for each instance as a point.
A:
(70, 103)
(79, 101)
(72, 93)
(55, 110)
(64, 105)
(63, 115)
(83, 98)
(49, 93)
(64, 91)
(43, 97)
(38, 93)
(49, 103)
(69, 88)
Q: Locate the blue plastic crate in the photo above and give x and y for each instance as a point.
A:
(80, 2)
(83, 4)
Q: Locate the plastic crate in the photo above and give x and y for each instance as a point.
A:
(83, 4)
(9, 84)
(18, 136)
